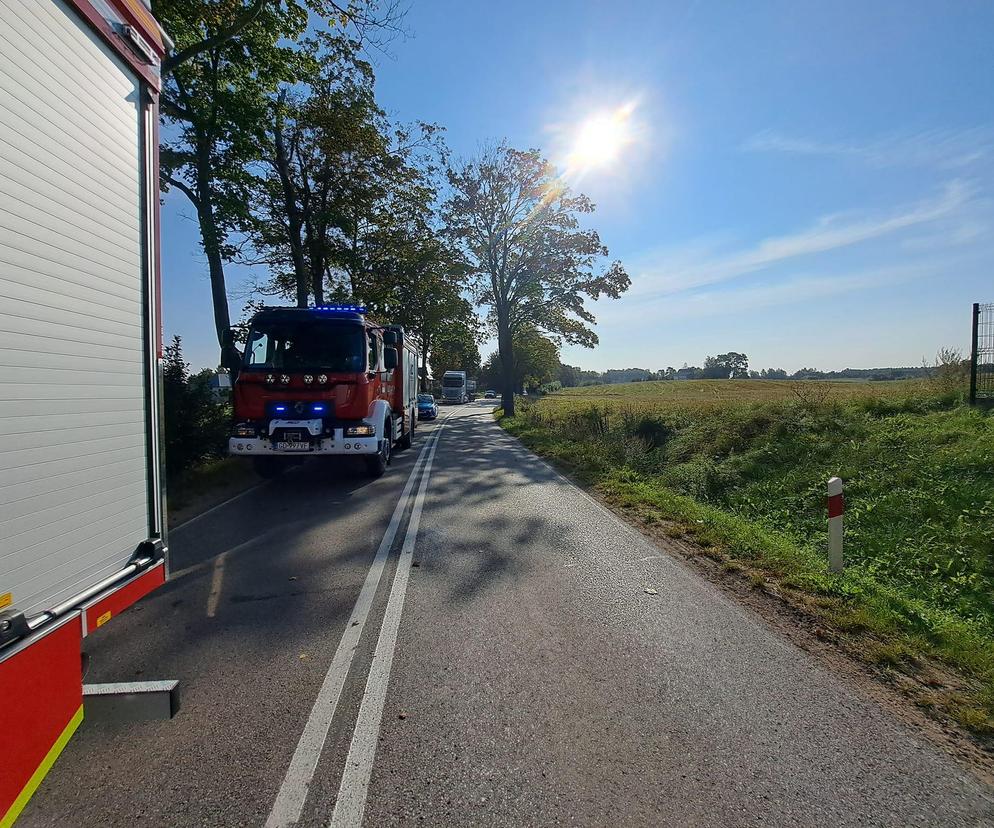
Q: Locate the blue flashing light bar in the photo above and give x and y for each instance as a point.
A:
(280, 408)
(341, 308)
(318, 408)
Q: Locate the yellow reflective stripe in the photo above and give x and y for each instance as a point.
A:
(46, 765)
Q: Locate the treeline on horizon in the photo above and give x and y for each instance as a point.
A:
(537, 366)
(570, 376)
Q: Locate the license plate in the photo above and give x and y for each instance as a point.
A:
(286, 445)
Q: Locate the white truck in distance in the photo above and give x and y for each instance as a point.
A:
(454, 388)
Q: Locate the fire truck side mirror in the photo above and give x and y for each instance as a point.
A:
(389, 337)
(390, 358)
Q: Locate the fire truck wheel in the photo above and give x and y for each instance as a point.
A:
(377, 464)
(405, 441)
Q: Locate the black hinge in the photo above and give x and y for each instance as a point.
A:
(152, 548)
(13, 625)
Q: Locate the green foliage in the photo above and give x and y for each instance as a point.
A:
(346, 208)
(454, 348)
(215, 104)
(234, 62)
(536, 361)
(732, 365)
(196, 424)
(750, 474)
(346, 205)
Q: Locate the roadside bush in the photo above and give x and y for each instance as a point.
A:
(196, 424)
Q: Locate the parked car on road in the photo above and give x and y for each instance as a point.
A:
(490, 395)
(427, 407)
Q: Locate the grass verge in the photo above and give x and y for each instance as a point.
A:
(745, 482)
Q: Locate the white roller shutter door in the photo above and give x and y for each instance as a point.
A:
(74, 496)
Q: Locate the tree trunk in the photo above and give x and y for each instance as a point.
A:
(424, 352)
(316, 254)
(210, 237)
(505, 349)
(292, 209)
(317, 285)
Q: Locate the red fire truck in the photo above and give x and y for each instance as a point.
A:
(82, 527)
(324, 381)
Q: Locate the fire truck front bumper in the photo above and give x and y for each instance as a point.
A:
(266, 447)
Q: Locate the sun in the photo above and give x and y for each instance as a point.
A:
(601, 139)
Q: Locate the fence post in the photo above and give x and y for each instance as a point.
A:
(835, 509)
(974, 349)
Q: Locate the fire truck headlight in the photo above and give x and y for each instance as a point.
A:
(270, 379)
(285, 379)
(245, 430)
(322, 378)
(308, 379)
(360, 431)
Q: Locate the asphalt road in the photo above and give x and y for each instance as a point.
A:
(468, 641)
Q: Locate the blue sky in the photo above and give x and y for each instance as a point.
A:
(809, 183)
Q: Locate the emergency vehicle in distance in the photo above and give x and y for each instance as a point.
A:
(324, 381)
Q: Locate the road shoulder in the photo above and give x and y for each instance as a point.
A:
(907, 695)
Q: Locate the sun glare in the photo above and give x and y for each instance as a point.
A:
(601, 139)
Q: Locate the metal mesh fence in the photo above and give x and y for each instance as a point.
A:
(982, 356)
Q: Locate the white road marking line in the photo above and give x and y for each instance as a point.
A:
(217, 506)
(217, 578)
(197, 567)
(290, 800)
(354, 788)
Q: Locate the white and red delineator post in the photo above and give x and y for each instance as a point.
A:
(836, 506)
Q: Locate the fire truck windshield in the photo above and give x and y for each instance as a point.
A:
(306, 345)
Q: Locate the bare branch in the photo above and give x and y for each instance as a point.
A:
(184, 188)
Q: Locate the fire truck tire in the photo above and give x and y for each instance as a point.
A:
(377, 464)
(405, 441)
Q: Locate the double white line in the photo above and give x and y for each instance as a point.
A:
(351, 801)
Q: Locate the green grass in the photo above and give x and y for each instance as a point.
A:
(741, 467)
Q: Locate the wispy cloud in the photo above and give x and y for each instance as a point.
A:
(943, 149)
(693, 266)
(801, 289)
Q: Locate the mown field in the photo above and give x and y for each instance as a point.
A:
(741, 467)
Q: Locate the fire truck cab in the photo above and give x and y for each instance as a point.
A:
(324, 381)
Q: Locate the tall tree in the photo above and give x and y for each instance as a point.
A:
(231, 57)
(531, 263)
(347, 196)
